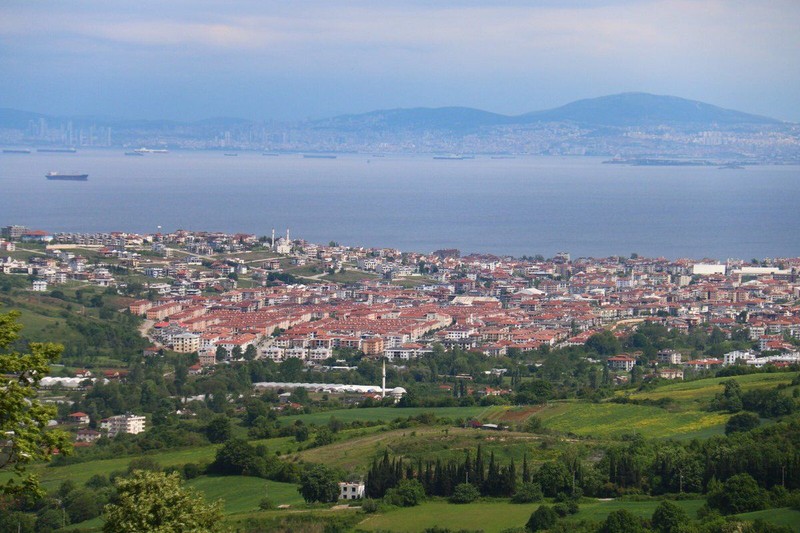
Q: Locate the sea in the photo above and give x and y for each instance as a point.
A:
(511, 206)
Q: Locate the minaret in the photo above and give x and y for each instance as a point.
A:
(274, 247)
(383, 382)
(287, 236)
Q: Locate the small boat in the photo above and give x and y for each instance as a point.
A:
(66, 177)
(231, 154)
(451, 157)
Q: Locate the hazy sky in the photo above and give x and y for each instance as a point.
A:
(261, 59)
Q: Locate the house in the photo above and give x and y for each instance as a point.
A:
(39, 286)
(669, 357)
(87, 435)
(127, 423)
(78, 418)
(670, 373)
(351, 491)
(621, 362)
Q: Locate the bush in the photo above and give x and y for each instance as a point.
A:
(266, 504)
(742, 422)
(465, 493)
(408, 493)
(561, 509)
(669, 518)
(739, 494)
(542, 518)
(369, 506)
(528, 493)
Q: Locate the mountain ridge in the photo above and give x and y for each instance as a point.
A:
(617, 110)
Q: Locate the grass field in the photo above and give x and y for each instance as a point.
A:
(493, 517)
(242, 494)
(697, 394)
(605, 420)
(387, 414)
(430, 443)
(782, 517)
(52, 477)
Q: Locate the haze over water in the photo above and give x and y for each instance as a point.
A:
(520, 206)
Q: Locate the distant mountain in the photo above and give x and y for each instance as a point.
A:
(627, 109)
(15, 119)
(419, 118)
(630, 109)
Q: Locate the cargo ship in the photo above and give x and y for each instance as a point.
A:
(318, 156)
(140, 154)
(67, 177)
(57, 150)
(15, 151)
(151, 151)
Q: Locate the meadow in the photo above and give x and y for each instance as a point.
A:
(387, 414)
(495, 516)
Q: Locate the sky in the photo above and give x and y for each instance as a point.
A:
(270, 60)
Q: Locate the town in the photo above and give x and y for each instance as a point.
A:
(222, 297)
(239, 358)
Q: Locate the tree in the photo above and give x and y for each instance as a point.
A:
(542, 518)
(221, 353)
(219, 429)
(250, 352)
(528, 493)
(408, 493)
(742, 422)
(23, 417)
(553, 477)
(158, 503)
(236, 353)
(739, 494)
(621, 521)
(604, 343)
(668, 517)
(465, 493)
(319, 484)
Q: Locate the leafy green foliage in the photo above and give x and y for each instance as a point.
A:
(319, 484)
(408, 493)
(465, 493)
(23, 417)
(156, 502)
(542, 518)
(742, 422)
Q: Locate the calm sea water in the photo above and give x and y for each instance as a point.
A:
(526, 205)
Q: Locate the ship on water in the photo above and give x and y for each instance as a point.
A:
(57, 150)
(66, 177)
(140, 154)
(319, 156)
(151, 151)
(15, 151)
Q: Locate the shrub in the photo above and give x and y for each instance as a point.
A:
(369, 506)
(266, 504)
(528, 493)
(542, 518)
(408, 493)
(742, 422)
(465, 493)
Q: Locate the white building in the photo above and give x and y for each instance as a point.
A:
(351, 491)
(186, 343)
(126, 423)
(39, 285)
(730, 358)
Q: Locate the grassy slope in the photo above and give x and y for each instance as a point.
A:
(697, 394)
(242, 494)
(52, 477)
(387, 414)
(782, 517)
(496, 516)
(613, 420)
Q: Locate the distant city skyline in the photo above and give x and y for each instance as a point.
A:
(277, 61)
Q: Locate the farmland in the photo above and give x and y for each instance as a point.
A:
(387, 414)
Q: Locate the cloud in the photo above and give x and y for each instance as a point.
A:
(462, 47)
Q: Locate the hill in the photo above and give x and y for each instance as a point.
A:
(631, 109)
(626, 109)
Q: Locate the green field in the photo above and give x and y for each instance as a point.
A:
(387, 414)
(53, 476)
(242, 494)
(782, 517)
(612, 420)
(496, 516)
(428, 444)
(697, 394)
